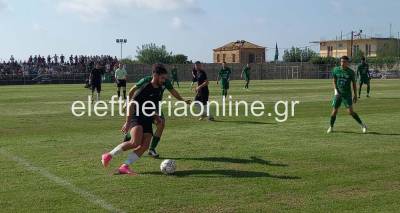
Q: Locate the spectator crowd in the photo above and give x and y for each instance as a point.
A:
(54, 65)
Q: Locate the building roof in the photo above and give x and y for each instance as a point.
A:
(355, 39)
(239, 44)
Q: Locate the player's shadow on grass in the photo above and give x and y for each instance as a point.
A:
(244, 122)
(252, 160)
(215, 173)
(368, 133)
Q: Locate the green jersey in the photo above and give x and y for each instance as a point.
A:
(246, 72)
(224, 74)
(174, 74)
(167, 84)
(343, 79)
(363, 71)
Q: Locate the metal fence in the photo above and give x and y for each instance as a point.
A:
(267, 71)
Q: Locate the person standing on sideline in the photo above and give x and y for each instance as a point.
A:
(120, 79)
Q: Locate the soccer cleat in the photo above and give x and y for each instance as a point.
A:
(105, 159)
(330, 130)
(211, 118)
(368, 96)
(153, 153)
(364, 128)
(125, 170)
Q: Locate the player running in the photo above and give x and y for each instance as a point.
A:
(224, 77)
(95, 78)
(174, 76)
(246, 75)
(138, 122)
(202, 92)
(364, 76)
(160, 125)
(120, 79)
(343, 79)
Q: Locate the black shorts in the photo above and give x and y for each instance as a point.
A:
(203, 98)
(145, 122)
(96, 86)
(121, 83)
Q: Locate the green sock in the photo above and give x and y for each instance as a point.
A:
(154, 142)
(357, 118)
(333, 119)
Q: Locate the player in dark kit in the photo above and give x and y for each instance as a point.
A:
(160, 125)
(96, 75)
(364, 76)
(194, 75)
(343, 79)
(202, 92)
(139, 120)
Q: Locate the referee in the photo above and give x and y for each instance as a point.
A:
(120, 79)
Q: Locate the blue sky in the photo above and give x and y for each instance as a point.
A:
(191, 27)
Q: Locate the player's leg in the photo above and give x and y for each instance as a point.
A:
(177, 82)
(357, 118)
(156, 138)
(368, 88)
(336, 103)
(98, 88)
(247, 83)
(124, 89)
(119, 90)
(147, 133)
(136, 137)
(360, 88)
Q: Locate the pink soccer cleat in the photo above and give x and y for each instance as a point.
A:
(125, 170)
(105, 159)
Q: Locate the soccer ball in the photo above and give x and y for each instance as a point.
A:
(168, 167)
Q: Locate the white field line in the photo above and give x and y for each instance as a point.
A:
(61, 182)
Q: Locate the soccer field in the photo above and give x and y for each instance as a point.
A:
(50, 160)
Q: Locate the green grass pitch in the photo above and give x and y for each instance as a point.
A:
(50, 160)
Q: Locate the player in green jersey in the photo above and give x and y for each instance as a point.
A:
(363, 76)
(174, 76)
(343, 80)
(246, 75)
(223, 78)
(160, 125)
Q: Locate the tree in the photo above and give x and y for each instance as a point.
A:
(178, 59)
(296, 54)
(151, 53)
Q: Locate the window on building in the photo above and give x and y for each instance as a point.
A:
(340, 45)
(218, 59)
(223, 57)
(233, 58)
(252, 58)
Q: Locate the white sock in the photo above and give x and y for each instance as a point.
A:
(117, 150)
(97, 96)
(132, 157)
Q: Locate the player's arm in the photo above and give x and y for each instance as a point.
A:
(132, 92)
(177, 95)
(203, 85)
(218, 76)
(334, 83)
